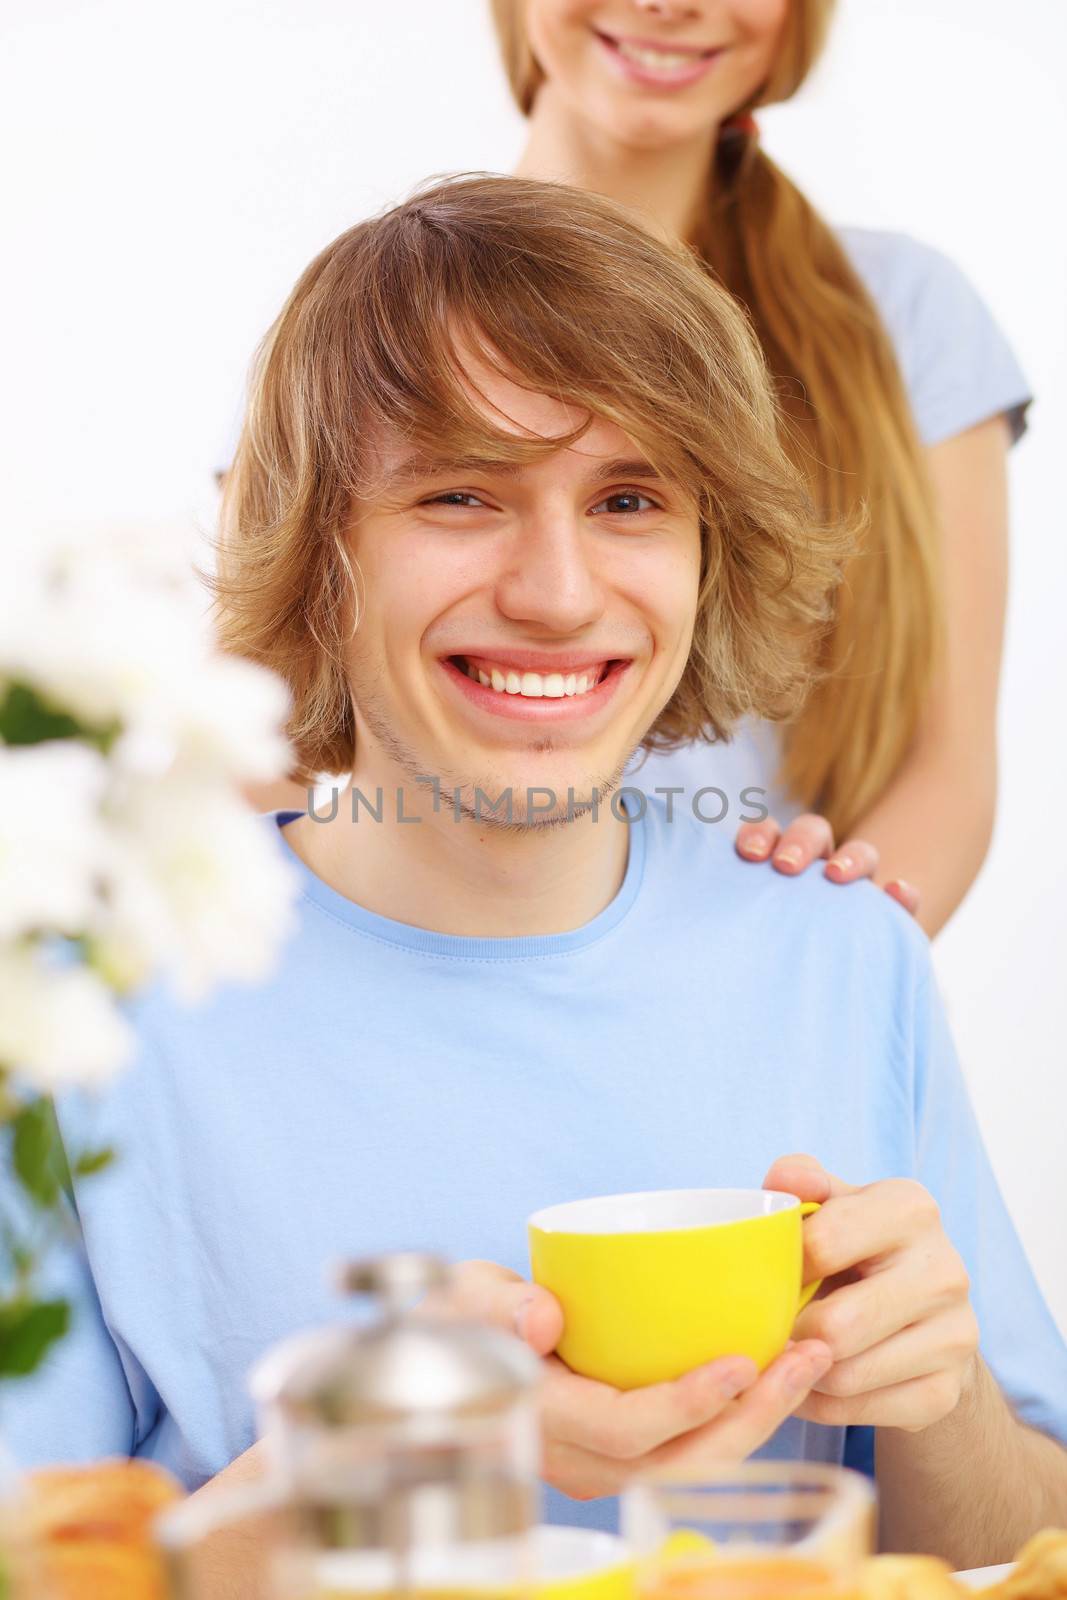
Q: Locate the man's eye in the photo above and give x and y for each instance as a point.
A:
(626, 502)
(454, 497)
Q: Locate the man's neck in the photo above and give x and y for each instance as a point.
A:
(476, 879)
(666, 186)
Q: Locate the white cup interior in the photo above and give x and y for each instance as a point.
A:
(661, 1210)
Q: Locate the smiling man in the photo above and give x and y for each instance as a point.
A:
(509, 505)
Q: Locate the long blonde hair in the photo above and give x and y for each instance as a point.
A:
(569, 292)
(848, 425)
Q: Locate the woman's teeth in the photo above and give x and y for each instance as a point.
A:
(656, 60)
(535, 685)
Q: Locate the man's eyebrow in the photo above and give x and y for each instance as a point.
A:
(416, 467)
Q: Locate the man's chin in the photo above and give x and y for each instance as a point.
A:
(541, 800)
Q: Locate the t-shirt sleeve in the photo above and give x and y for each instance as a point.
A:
(958, 367)
(1019, 1340)
(88, 1398)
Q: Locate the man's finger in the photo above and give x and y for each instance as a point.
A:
(939, 1342)
(756, 840)
(857, 1316)
(861, 1224)
(805, 1177)
(911, 1405)
(581, 1474)
(804, 841)
(751, 1420)
(486, 1292)
(625, 1424)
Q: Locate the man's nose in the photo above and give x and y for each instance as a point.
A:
(550, 577)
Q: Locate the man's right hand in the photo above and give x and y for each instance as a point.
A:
(596, 1438)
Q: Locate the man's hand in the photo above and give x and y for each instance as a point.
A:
(894, 1307)
(596, 1438)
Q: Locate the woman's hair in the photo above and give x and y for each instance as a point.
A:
(567, 294)
(848, 426)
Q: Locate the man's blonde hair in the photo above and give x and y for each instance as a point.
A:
(573, 299)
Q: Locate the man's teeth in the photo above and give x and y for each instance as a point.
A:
(535, 685)
(662, 60)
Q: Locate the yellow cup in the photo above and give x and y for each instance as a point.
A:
(654, 1284)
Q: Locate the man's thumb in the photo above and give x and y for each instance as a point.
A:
(490, 1293)
(805, 1177)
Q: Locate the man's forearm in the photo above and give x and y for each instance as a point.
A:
(228, 1563)
(972, 1488)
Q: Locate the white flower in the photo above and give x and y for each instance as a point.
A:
(59, 1025)
(222, 716)
(199, 886)
(96, 643)
(114, 642)
(51, 838)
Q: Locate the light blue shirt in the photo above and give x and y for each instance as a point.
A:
(958, 370)
(397, 1088)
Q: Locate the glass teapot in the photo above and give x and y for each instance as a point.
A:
(403, 1458)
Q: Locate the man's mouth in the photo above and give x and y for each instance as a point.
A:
(514, 678)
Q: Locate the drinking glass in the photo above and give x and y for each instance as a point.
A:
(763, 1530)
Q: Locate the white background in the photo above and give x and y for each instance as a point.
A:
(173, 168)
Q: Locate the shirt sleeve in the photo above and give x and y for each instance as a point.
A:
(958, 367)
(88, 1398)
(1019, 1340)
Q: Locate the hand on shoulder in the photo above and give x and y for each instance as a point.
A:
(810, 838)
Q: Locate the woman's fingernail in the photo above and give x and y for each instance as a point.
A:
(842, 863)
(755, 847)
(901, 884)
(790, 857)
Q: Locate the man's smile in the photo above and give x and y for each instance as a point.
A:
(536, 685)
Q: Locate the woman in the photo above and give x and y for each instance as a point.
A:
(898, 393)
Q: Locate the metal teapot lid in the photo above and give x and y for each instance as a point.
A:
(401, 1368)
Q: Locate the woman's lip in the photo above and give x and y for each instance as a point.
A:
(658, 78)
(695, 50)
(518, 708)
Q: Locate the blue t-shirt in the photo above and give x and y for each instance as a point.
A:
(398, 1088)
(958, 370)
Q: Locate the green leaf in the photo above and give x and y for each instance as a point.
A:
(37, 1152)
(25, 718)
(27, 1330)
(91, 1161)
(28, 717)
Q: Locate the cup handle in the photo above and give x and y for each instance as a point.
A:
(809, 1289)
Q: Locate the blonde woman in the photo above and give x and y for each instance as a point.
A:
(900, 396)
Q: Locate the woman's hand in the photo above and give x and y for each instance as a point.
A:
(596, 1438)
(810, 838)
(895, 1304)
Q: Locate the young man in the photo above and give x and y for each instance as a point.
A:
(509, 504)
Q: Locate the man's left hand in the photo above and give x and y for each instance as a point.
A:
(894, 1307)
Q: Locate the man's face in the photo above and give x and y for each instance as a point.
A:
(522, 627)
